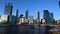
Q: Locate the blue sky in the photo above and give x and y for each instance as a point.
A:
(33, 6)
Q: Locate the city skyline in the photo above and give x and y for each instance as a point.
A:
(22, 6)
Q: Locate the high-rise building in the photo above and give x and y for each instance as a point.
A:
(31, 20)
(51, 17)
(16, 13)
(26, 14)
(46, 15)
(8, 9)
(43, 20)
(59, 4)
(37, 16)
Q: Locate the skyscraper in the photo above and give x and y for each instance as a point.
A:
(37, 16)
(26, 14)
(43, 21)
(8, 9)
(51, 17)
(59, 4)
(46, 15)
(16, 13)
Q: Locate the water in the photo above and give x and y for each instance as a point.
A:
(45, 29)
(26, 29)
(16, 29)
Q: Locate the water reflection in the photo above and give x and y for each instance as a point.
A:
(26, 29)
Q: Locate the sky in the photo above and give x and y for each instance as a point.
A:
(33, 6)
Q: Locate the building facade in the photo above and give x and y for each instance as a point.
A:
(8, 9)
(5, 17)
(59, 4)
(21, 20)
(58, 22)
(43, 21)
(37, 16)
(46, 15)
(13, 19)
(26, 15)
(31, 20)
(16, 13)
(51, 17)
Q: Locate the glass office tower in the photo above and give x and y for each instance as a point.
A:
(26, 15)
(46, 15)
(8, 9)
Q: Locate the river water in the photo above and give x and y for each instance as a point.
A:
(26, 29)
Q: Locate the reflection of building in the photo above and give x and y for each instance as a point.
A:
(46, 15)
(8, 9)
(31, 20)
(26, 14)
(58, 22)
(37, 16)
